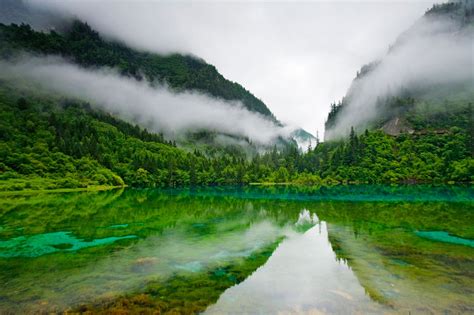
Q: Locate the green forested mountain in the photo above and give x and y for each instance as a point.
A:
(85, 47)
(414, 107)
(49, 142)
(421, 132)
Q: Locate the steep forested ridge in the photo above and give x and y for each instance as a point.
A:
(420, 134)
(51, 142)
(47, 142)
(85, 47)
(412, 108)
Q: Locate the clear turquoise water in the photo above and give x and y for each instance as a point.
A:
(47, 243)
(441, 236)
(344, 249)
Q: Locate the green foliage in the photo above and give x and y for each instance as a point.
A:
(333, 114)
(71, 145)
(375, 157)
(463, 170)
(49, 143)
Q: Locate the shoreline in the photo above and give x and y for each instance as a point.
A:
(60, 190)
(263, 184)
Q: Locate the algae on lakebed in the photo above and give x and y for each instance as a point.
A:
(47, 243)
(185, 293)
(190, 245)
(441, 236)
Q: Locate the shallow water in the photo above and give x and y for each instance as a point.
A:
(346, 249)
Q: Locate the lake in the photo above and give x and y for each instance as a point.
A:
(251, 250)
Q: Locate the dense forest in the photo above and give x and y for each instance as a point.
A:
(50, 142)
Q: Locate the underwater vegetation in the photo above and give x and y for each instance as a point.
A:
(187, 293)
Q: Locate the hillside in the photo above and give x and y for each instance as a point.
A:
(84, 46)
(408, 117)
(414, 87)
(37, 32)
(50, 142)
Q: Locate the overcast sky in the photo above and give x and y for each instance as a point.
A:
(297, 57)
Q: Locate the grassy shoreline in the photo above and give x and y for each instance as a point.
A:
(60, 190)
(92, 188)
(334, 183)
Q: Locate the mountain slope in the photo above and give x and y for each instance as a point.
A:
(426, 74)
(48, 142)
(84, 46)
(409, 116)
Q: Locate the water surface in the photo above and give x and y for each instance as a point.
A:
(345, 249)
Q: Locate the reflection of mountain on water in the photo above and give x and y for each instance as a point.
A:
(180, 254)
(186, 248)
(406, 272)
(306, 218)
(303, 276)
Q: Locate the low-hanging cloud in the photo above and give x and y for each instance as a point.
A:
(434, 52)
(155, 107)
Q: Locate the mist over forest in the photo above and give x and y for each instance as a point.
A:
(151, 105)
(430, 61)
